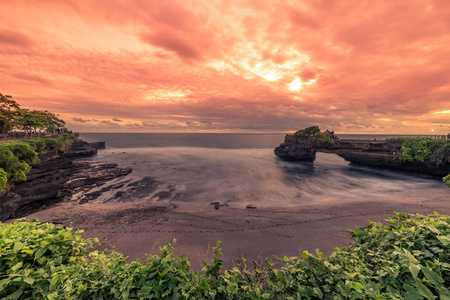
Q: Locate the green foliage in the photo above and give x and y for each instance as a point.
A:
(34, 257)
(394, 140)
(441, 152)
(308, 132)
(15, 156)
(313, 134)
(36, 121)
(29, 121)
(38, 144)
(11, 164)
(405, 259)
(446, 179)
(3, 178)
(13, 160)
(8, 107)
(423, 148)
(22, 150)
(416, 149)
(58, 142)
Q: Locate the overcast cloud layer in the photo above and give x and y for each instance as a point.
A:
(231, 66)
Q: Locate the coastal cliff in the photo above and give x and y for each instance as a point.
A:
(56, 179)
(369, 153)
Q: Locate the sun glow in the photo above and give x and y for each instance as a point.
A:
(269, 76)
(295, 85)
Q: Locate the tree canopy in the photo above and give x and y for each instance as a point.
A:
(12, 117)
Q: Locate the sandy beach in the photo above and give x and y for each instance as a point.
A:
(138, 228)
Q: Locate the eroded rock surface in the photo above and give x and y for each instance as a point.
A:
(370, 153)
(296, 149)
(56, 179)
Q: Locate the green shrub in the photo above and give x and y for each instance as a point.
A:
(56, 142)
(14, 167)
(3, 178)
(416, 149)
(52, 143)
(422, 149)
(446, 179)
(15, 155)
(394, 140)
(405, 259)
(38, 144)
(313, 134)
(59, 142)
(21, 150)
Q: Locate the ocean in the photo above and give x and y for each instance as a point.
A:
(241, 170)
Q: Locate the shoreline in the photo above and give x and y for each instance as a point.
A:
(135, 229)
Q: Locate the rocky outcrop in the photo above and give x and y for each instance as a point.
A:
(375, 154)
(98, 145)
(56, 179)
(296, 149)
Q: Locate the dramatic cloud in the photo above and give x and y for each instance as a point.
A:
(219, 66)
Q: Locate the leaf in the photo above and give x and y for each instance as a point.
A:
(27, 250)
(52, 296)
(16, 294)
(423, 290)
(432, 276)
(53, 282)
(318, 292)
(414, 269)
(28, 280)
(444, 293)
(410, 257)
(18, 246)
(433, 229)
(444, 239)
(3, 282)
(358, 286)
(40, 252)
(17, 266)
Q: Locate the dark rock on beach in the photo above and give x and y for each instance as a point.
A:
(57, 179)
(98, 145)
(296, 150)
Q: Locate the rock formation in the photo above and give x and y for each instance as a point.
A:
(296, 149)
(376, 154)
(56, 179)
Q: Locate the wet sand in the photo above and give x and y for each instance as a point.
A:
(137, 228)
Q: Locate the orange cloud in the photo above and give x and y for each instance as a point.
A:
(237, 66)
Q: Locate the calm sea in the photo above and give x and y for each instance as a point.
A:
(206, 140)
(241, 169)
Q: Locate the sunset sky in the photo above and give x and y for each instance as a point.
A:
(231, 66)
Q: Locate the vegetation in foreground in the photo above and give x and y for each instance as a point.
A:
(405, 259)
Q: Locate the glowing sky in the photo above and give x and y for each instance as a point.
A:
(354, 66)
